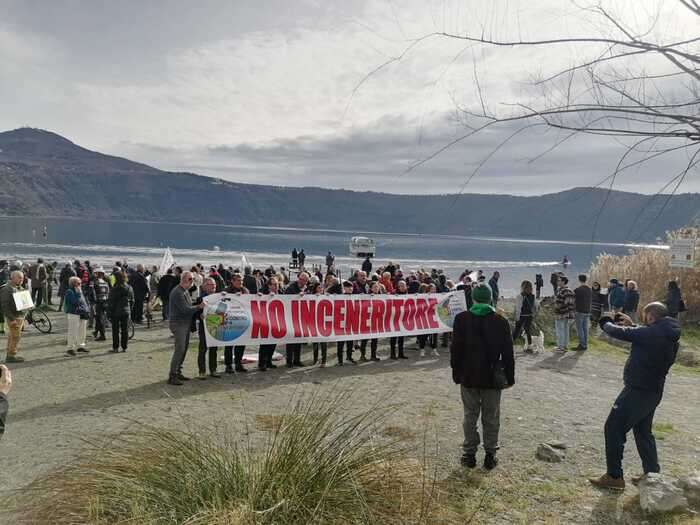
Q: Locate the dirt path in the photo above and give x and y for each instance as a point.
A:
(57, 402)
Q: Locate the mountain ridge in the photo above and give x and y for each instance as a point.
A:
(39, 167)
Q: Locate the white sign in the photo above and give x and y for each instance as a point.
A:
(683, 253)
(23, 300)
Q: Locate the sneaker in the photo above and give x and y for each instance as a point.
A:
(83, 350)
(229, 370)
(101, 338)
(376, 359)
(339, 364)
(183, 378)
(123, 350)
(241, 369)
(14, 359)
(114, 351)
(468, 460)
(214, 375)
(71, 352)
(606, 481)
(202, 376)
(490, 461)
(435, 353)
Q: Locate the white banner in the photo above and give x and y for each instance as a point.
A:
(273, 319)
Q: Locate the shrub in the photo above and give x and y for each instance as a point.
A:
(319, 465)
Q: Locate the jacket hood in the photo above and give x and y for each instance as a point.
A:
(669, 327)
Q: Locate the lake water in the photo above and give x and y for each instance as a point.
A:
(105, 242)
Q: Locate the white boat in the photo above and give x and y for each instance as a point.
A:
(362, 247)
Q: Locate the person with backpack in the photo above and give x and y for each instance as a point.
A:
(483, 364)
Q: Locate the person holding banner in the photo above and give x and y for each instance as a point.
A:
(373, 290)
(233, 355)
(265, 352)
(14, 318)
(346, 289)
(482, 362)
(208, 287)
(394, 342)
(294, 349)
(181, 313)
(316, 288)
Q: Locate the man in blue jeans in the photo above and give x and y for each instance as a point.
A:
(584, 296)
(654, 348)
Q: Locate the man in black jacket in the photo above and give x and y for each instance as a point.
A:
(482, 361)
(5, 386)
(139, 283)
(654, 349)
(165, 286)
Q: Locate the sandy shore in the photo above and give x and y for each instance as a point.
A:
(57, 402)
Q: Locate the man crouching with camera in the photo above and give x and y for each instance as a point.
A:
(654, 349)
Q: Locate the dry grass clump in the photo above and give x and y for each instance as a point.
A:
(651, 269)
(318, 466)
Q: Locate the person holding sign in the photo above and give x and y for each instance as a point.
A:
(11, 305)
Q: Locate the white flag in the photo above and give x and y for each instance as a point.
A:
(167, 261)
(244, 262)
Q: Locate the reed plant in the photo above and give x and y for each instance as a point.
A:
(651, 269)
(318, 466)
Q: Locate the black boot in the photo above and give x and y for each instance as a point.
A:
(468, 460)
(490, 461)
(173, 380)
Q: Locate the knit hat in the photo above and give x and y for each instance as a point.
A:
(481, 293)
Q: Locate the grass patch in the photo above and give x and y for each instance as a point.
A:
(317, 465)
(662, 430)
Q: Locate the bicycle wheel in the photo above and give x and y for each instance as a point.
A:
(132, 329)
(41, 321)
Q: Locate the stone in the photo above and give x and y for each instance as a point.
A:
(691, 487)
(659, 493)
(549, 454)
(556, 443)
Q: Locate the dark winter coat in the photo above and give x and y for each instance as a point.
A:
(119, 301)
(631, 301)
(478, 342)
(654, 350)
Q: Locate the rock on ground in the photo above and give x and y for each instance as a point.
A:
(691, 487)
(659, 493)
(550, 454)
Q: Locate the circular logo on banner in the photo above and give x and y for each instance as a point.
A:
(227, 321)
(448, 309)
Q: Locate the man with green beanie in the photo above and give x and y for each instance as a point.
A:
(482, 361)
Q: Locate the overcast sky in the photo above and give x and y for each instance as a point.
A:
(271, 91)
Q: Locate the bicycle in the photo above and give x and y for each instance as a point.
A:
(39, 320)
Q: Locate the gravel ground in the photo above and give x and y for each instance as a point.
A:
(57, 402)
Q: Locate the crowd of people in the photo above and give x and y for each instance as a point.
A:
(481, 342)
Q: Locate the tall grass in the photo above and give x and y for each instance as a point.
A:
(651, 269)
(319, 466)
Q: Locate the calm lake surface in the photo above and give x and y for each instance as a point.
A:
(105, 242)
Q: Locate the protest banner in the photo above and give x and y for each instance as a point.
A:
(278, 319)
